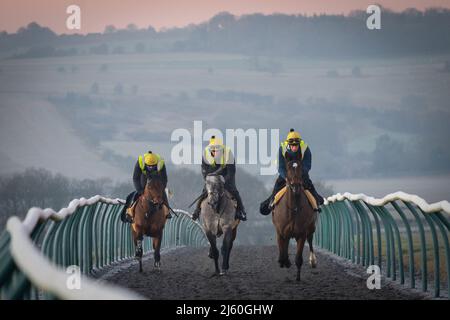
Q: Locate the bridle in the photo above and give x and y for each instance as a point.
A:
(295, 188)
(217, 194)
(151, 200)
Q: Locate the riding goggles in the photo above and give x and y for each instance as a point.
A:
(294, 142)
(215, 148)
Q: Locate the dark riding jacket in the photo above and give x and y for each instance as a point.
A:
(228, 172)
(306, 162)
(228, 169)
(140, 178)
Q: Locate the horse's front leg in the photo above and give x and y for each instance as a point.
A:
(312, 255)
(227, 244)
(138, 250)
(156, 250)
(213, 251)
(299, 256)
(283, 247)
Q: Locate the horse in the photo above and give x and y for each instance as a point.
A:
(218, 212)
(150, 215)
(294, 217)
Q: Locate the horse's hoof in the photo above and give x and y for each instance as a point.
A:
(297, 279)
(312, 260)
(287, 264)
(223, 273)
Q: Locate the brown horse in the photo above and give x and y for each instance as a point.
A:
(294, 217)
(150, 215)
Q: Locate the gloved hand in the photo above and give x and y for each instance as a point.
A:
(307, 184)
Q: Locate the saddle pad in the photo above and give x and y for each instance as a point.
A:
(311, 199)
(309, 195)
(279, 195)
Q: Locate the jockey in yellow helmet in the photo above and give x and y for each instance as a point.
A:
(294, 145)
(149, 164)
(217, 155)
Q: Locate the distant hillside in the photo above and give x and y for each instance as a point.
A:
(409, 32)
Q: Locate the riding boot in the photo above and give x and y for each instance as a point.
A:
(317, 196)
(240, 210)
(130, 200)
(166, 203)
(198, 208)
(307, 183)
(267, 205)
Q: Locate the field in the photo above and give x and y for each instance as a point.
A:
(137, 100)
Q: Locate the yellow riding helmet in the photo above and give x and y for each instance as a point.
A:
(150, 159)
(215, 143)
(293, 137)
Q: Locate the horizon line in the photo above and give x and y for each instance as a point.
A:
(238, 16)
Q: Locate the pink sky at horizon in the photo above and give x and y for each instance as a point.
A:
(95, 15)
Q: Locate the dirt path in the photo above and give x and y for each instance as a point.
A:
(254, 274)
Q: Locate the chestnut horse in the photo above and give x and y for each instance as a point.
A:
(150, 215)
(294, 217)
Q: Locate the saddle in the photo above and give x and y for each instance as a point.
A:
(309, 195)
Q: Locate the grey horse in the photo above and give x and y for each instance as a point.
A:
(218, 212)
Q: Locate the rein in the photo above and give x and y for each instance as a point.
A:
(297, 200)
(223, 209)
(150, 201)
(296, 197)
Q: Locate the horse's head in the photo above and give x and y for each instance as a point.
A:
(215, 186)
(155, 191)
(294, 176)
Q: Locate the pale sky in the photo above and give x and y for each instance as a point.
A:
(95, 15)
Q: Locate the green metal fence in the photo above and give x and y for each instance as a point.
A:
(407, 239)
(90, 236)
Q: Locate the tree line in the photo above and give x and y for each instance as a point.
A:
(410, 32)
(38, 187)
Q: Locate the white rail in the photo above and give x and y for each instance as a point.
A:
(47, 275)
(36, 214)
(400, 195)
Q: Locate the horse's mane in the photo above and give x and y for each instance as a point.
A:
(154, 180)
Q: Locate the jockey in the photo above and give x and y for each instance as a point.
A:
(148, 164)
(217, 156)
(293, 145)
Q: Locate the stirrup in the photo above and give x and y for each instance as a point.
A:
(195, 215)
(128, 218)
(240, 215)
(271, 204)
